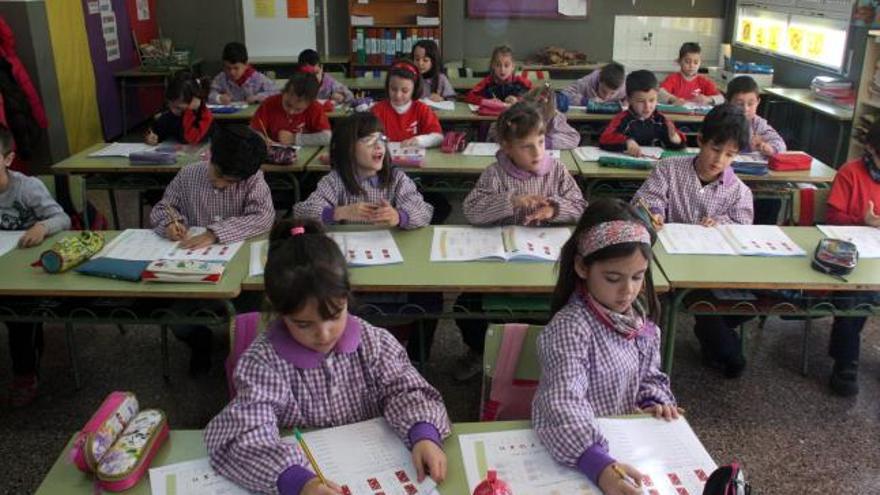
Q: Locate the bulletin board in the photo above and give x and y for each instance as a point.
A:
(547, 9)
(278, 28)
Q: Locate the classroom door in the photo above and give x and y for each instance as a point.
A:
(278, 28)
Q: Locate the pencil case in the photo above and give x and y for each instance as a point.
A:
(606, 107)
(280, 154)
(152, 158)
(491, 108)
(630, 163)
(790, 161)
(71, 251)
(108, 422)
(130, 270)
(129, 458)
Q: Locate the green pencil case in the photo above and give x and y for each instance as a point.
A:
(629, 163)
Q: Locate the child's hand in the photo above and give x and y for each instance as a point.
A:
(195, 103)
(436, 97)
(151, 138)
(251, 99)
(315, 487)
(871, 219)
(225, 99)
(673, 132)
(385, 214)
(632, 148)
(657, 220)
(529, 202)
(355, 212)
(678, 101)
(510, 100)
(199, 241)
(286, 137)
(664, 411)
(411, 142)
(611, 483)
(175, 231)
(546, 212)
(33, 236)
(701, 99)
(429, 459)
(708, 222)
(337, 97)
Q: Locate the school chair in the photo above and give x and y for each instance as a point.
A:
(478, 65)
(510, 371)
(536, 76)
(242, 332)
(456, 70)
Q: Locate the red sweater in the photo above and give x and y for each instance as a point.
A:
(489, 88)
(852, 189)
(272, 115)
(418, 120)
(680, 87)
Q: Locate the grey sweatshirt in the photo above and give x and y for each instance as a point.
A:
(26, 202)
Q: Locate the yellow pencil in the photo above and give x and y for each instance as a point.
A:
(617, 469)
(308, 453)
(644, 205)
(265, 132)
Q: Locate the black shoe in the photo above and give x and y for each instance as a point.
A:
(845, 379)
(201, 345)
(731, 367)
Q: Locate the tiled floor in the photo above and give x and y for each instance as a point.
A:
(791, 435)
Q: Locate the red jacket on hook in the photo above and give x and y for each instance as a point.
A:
(7, 51)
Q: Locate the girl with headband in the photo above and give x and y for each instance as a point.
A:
(600, 353)
(407, 120)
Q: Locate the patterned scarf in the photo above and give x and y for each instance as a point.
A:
(630, 324)
(873, 169)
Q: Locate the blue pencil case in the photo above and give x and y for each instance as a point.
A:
(114, 268)
(152, 158)
(747, 168)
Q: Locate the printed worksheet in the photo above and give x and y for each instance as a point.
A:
(760, 240)
(439, 105)
(121, 149)
(685, 238)
(191, 478)
(489, 149)
(9, 240)
(866, 239)
(506, 243)
(368, 248)
(146, 245)
(257, 263)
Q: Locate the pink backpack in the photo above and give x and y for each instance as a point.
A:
(509, 398)
(246, 328)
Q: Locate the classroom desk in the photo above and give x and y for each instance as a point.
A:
(688, 273)
(116, 173)
(803, 97)
(186, 445)
(460, 84)
(144, 76)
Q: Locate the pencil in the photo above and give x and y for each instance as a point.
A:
(617, 469)
(263, 127)
(644, 205)
(308, 453)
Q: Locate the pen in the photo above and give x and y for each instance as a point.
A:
(308, 453)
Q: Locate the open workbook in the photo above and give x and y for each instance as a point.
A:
(729, 239)
(366, 248)
(512, 243)
(489, 149)
(668, 453)
(364, 458)
(866, 239)
(146, 245)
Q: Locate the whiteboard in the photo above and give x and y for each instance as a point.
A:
(278, 35)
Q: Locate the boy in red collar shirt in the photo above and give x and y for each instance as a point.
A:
(687, 85)
(294, 116)
(854, 200)
(501, 83)
(641, 124)
(239, 81)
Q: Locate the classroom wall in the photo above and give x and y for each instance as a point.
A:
(203, 26)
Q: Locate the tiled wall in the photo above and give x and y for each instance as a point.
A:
(657, 39)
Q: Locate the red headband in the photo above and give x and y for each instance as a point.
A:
(407, 67)
(308, 69)
(299, 229)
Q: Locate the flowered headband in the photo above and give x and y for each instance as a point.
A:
(610, 233)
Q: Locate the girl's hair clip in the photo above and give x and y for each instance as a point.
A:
(299, 229)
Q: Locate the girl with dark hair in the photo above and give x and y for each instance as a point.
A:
(188, 119)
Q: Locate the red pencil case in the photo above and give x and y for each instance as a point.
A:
(491, 108)
(790, 161)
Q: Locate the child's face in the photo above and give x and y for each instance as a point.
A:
(689, 64)
(400, 91)
(605, 92)
(369, 152)
(234, 70)
(319, 71)
(714, 158)
(312, 331)
(526, 153)
(643, 103)
(220, 181)
(421, 60)
(294, 104)
(748, 102)
(178, 106)
(502, 67)
(614, 283)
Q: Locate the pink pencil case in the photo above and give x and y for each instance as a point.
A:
(119, 441)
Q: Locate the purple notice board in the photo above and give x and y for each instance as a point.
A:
(517, 8)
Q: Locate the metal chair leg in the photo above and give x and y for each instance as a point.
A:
(166, 374)
(71, 352)
(808, 323)
(113, 210)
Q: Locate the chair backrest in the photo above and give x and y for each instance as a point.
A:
(507, 387)
(809, 206)
(242, 333)
(76, 185)
(536, 75)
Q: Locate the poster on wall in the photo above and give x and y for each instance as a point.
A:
(143, 10)
(110, 33)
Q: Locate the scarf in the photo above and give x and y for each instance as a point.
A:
(873, 169)
(248, 72)
(630, 324)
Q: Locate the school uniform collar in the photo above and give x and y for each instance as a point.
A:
(302, 357)
(402, 109)
(654, 117)
(509, 80)
(512, 170)
(248, 72)
(725, 179)
(372, 180)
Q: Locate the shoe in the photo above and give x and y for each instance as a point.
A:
(732, 367)
(23, 390)
(845, 379)
(468, 366)
(201, 345)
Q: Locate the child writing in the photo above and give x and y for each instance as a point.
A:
(600, 353)
(743, 92)
(435, 84)
(687, 85)
(294, 116)
(330, 88)
(604, 85)
(407, 120)
(362, 186)
(25, 204)
(854, 200)
(318, 366)
(239, 81)
(641, 124)
(188, 119)
(704, 190)
(229, 197)
(525, 186)
(558, 134)
(501, 83)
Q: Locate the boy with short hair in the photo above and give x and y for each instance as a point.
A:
(330, 88)
(294, 116)
(641, 124)
(743, 92)
(239, 81)
(605, 85)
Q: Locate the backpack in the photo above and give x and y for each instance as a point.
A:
(727, 480)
